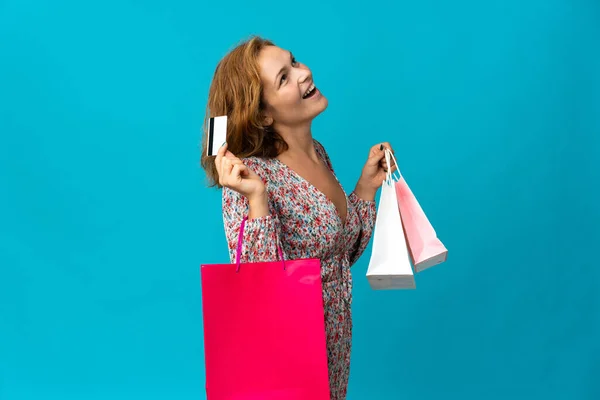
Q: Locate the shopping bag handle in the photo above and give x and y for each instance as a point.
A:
(389, 175)
(239, 247)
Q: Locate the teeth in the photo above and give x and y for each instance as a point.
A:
(309, 90)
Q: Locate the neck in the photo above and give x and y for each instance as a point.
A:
(300, 142)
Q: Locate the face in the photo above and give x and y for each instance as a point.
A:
(291, 98)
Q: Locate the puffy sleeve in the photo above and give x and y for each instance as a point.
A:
(261, 235)
(367, 213)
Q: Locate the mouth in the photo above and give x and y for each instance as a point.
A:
(310, 92)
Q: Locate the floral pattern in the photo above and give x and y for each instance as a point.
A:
(307, 224)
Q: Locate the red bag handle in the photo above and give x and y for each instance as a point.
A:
(239, 247)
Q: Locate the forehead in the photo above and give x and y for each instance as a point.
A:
(271, 59)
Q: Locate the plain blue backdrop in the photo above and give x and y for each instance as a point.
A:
(493, 110)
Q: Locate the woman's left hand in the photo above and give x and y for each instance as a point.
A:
(374, 171)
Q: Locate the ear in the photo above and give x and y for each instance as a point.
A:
(267, 120)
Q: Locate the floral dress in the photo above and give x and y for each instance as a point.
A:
(307, 224)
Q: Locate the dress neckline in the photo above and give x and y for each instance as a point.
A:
(343, 220)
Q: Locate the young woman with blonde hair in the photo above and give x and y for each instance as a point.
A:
(275, 174)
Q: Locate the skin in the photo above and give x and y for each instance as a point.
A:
(285, 80)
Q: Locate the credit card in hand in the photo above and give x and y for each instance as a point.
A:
(217, 134)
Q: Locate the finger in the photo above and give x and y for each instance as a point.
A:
(221, 171)
(377, 154)
(226, 167)
(384, 146)
(220, 154)
(386, 168)
(235, 173)
(244, 172)
(387, 145)
(233, 160)
(222, 150)
(384, 163)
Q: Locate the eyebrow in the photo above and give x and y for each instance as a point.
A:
(283, 69)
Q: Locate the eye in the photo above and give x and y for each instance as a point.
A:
(284, 76)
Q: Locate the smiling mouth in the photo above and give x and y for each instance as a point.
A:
(310, 91)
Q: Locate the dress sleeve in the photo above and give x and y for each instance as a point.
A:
(261, 235)
(367, 213)
(366, 210)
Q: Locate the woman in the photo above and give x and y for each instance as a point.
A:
(274, 172)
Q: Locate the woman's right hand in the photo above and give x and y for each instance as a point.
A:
(235, 175)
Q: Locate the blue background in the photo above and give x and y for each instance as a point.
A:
(493, 109)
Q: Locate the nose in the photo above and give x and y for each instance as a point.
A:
(305, 75)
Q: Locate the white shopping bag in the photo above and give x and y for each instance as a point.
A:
(389, 267)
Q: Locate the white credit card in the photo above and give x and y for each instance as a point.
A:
(217, 134)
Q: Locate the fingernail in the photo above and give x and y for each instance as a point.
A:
(224, 143)
(381, 147)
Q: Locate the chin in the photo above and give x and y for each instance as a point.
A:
(318, 112)
(323, 103)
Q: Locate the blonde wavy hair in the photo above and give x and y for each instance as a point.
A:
(237, 91)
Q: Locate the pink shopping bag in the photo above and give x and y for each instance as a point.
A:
(424, 247)
(264, 330)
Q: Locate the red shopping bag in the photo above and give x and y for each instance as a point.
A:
(264, 329)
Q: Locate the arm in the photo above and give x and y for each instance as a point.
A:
(261, 232)
(363, 201)
(367, 213)
(373, 174)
